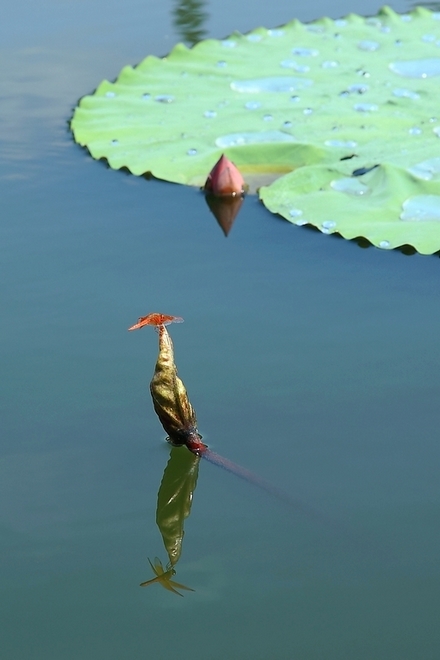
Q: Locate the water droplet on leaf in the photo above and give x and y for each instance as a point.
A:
(366, 107)
(368, 45)
(291, 64)
(260, 137)
(252, 105)
(400, 92)
(421, 208)
(329, 224)
(280, 84)
(426, 68)
(350, 186)
(343, 144)
(358, 88)
(305, 52)
(427, 169)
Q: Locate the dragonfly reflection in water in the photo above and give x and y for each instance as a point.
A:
(174, 501)
(164, 577)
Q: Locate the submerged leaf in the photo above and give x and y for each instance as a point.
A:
(312, 105)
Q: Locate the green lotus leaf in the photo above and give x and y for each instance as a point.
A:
(340, 117)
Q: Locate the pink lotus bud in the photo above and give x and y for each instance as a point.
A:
(225, 179)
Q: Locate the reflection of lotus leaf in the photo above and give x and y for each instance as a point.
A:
(312, 104)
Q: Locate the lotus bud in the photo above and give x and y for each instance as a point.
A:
(170, 399)
(225, 179)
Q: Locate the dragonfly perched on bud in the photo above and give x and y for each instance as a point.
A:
(170, 398)
(155, 319)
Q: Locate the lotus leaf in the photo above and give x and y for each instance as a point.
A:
(341, 116)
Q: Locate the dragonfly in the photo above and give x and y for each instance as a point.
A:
(163, 577)
(155, 319)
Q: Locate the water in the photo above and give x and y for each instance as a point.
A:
(310, 361)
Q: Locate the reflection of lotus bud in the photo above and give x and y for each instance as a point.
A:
(174, 499)
(224, 179)
(225, 210)
(170, 399)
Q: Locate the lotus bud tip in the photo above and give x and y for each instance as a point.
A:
(225, 179)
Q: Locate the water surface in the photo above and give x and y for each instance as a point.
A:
(309, 360)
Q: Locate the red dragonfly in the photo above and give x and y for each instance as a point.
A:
(155, 319)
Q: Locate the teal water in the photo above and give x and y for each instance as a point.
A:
(309, 360)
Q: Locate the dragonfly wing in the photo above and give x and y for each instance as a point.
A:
(180, 586)
(155, 319)
(148, 582)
